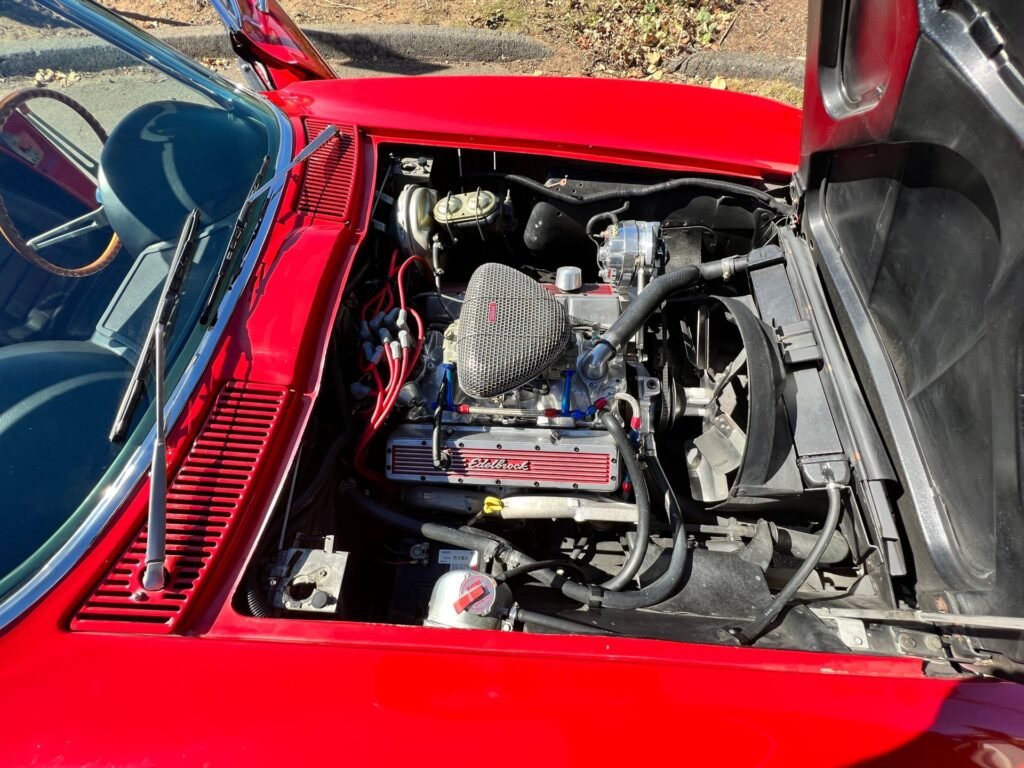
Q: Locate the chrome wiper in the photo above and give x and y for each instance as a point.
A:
(153, 354)
(159, 326)
(209, 314)
(325, 135)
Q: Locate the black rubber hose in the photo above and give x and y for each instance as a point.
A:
(540, 565)
(558, 624)
(485, 545)
(661, 589)
(800, 544)
(658, 591)
(254, 597)
(632, 192)
(648, 302)
(752, 631)
(635, 559)
(595, 364)
(635, 315)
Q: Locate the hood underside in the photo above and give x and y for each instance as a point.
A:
(912, 174)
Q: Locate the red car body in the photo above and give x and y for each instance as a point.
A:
(215, 687)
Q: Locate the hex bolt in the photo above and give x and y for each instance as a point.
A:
(907, 642)
(933, 643)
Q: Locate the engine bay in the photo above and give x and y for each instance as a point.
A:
(586, 399)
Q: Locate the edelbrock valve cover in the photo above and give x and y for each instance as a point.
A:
(511, 331)
(577, 459)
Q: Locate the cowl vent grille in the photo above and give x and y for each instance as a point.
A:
(204, 502)
(330, 173)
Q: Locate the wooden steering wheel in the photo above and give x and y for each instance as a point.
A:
(96, 219)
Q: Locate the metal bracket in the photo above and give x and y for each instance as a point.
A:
(799, 344)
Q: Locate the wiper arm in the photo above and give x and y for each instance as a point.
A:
(325, 135)
(209, 315)
(162, 316)
(153, 351)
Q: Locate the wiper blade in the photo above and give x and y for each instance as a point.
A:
(162, 317)
(209, 314)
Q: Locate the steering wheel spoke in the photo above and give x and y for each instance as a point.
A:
(94, 220)
(83, 225)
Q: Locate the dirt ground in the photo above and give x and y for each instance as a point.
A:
(622, 38)
(772, 27)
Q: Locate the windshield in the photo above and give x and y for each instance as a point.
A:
(98, 172)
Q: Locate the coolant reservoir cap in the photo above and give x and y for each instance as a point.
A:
(569, 279)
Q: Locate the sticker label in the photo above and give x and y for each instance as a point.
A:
(482, 605)
(456, 558)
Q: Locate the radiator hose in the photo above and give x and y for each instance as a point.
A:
(495, 548)
(643, 504)
(594, 364)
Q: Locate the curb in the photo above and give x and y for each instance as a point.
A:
(705, 65)
(357, 42)
(424, 43)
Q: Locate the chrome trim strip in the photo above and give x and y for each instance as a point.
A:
(55, 569)
(229, 14)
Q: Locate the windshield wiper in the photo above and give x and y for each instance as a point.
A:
(325, 135)
(209, 314)
(153, 354)
(161, 321)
